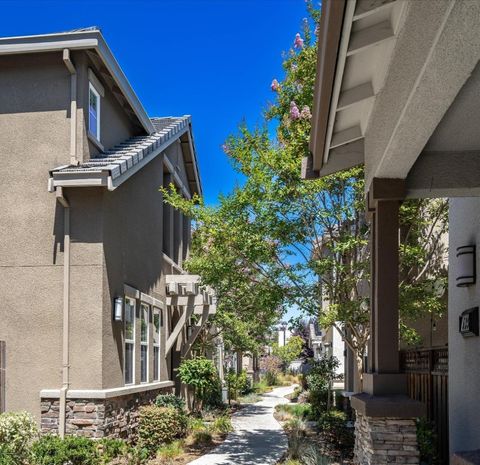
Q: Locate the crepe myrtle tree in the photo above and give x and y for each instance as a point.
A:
(279, 241)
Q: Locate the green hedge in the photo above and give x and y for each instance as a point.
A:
(159, 425)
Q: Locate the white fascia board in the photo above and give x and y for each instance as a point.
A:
(92, 181)
(105, 393)
(196, 168)
(77, 41)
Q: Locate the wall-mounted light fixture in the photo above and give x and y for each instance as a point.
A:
(466, 269)
(118, 309)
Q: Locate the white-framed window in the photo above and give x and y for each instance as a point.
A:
(157, 323)
(144, 323)
(129, 364)
(93, 112)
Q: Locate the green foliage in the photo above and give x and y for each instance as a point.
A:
(237, 384)
(334, 431)
(290, 351)
(110, 449)
(202, 438)
(271, 367)
(7, 457)
(199, 373)
(74, 450)
(427, 440)
(170, 451)
(222, 424)
(319, 381)
(158, 425)
(170, 400)
(302, 411)
(17, 431)
(278, 241)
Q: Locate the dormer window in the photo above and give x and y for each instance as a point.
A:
(94, 112)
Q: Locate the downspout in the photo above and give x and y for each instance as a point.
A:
(73, 106)
(66, 312)
(66, 249)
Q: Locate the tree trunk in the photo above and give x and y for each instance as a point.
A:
(358, 373)
(239, 362)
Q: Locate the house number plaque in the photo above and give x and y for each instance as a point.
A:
(468, 322)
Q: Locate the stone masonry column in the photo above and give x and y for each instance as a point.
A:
(385, 430)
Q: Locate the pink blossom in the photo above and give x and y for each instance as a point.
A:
(305, 114)
(294, 111)
(226, 148)
(298, 42)
(275, 86)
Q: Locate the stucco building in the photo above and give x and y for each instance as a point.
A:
(96, 309)
(398, 89)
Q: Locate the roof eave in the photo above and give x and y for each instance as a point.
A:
(86, 40)
(330, 31)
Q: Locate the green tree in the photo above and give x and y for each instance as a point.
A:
(200, 374)
(290, 351)
(277, 241)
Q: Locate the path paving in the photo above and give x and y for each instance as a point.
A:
(257, 439)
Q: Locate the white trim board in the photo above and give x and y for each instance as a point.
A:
(105, 393)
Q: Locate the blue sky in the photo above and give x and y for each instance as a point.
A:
(213, 59)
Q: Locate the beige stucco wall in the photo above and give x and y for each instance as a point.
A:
(464, 353)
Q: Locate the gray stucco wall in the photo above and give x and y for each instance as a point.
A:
(35, 137)
(464, 353)
(133, 233)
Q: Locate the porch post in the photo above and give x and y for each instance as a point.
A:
(383, 377)
(385, 415)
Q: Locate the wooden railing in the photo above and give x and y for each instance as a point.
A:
(427, 378)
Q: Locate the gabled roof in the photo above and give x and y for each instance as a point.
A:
(113, 167)
(90, 39)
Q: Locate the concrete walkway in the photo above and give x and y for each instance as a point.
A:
(257, 439)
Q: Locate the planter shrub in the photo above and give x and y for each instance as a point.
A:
(334, 430)
(73, 450)
(17, 431)
(200, 374)
(170, 400)
(160, 425)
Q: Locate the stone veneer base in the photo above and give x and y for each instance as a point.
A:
(380, 441)
(115, 417)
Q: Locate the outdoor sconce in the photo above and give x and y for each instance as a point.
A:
(118, 309)
(466, 272)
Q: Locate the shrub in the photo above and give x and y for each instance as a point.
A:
(195, 424)
(427, 440)
(334, 430)
(170, 400)
(312, 455)
(199, 373)
(222, 424)
(6, 456)
(262, 387)
(202, 438)
(17, 431)
(158, 425)
(319, 380)
(237, 384)
(74, 450)
(302, 411)
(212, 396)
(271, 365)
(170, 451)
(111, 449)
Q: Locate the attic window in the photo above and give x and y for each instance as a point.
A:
(94, 112)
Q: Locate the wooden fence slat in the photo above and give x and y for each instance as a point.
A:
(427, 381)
